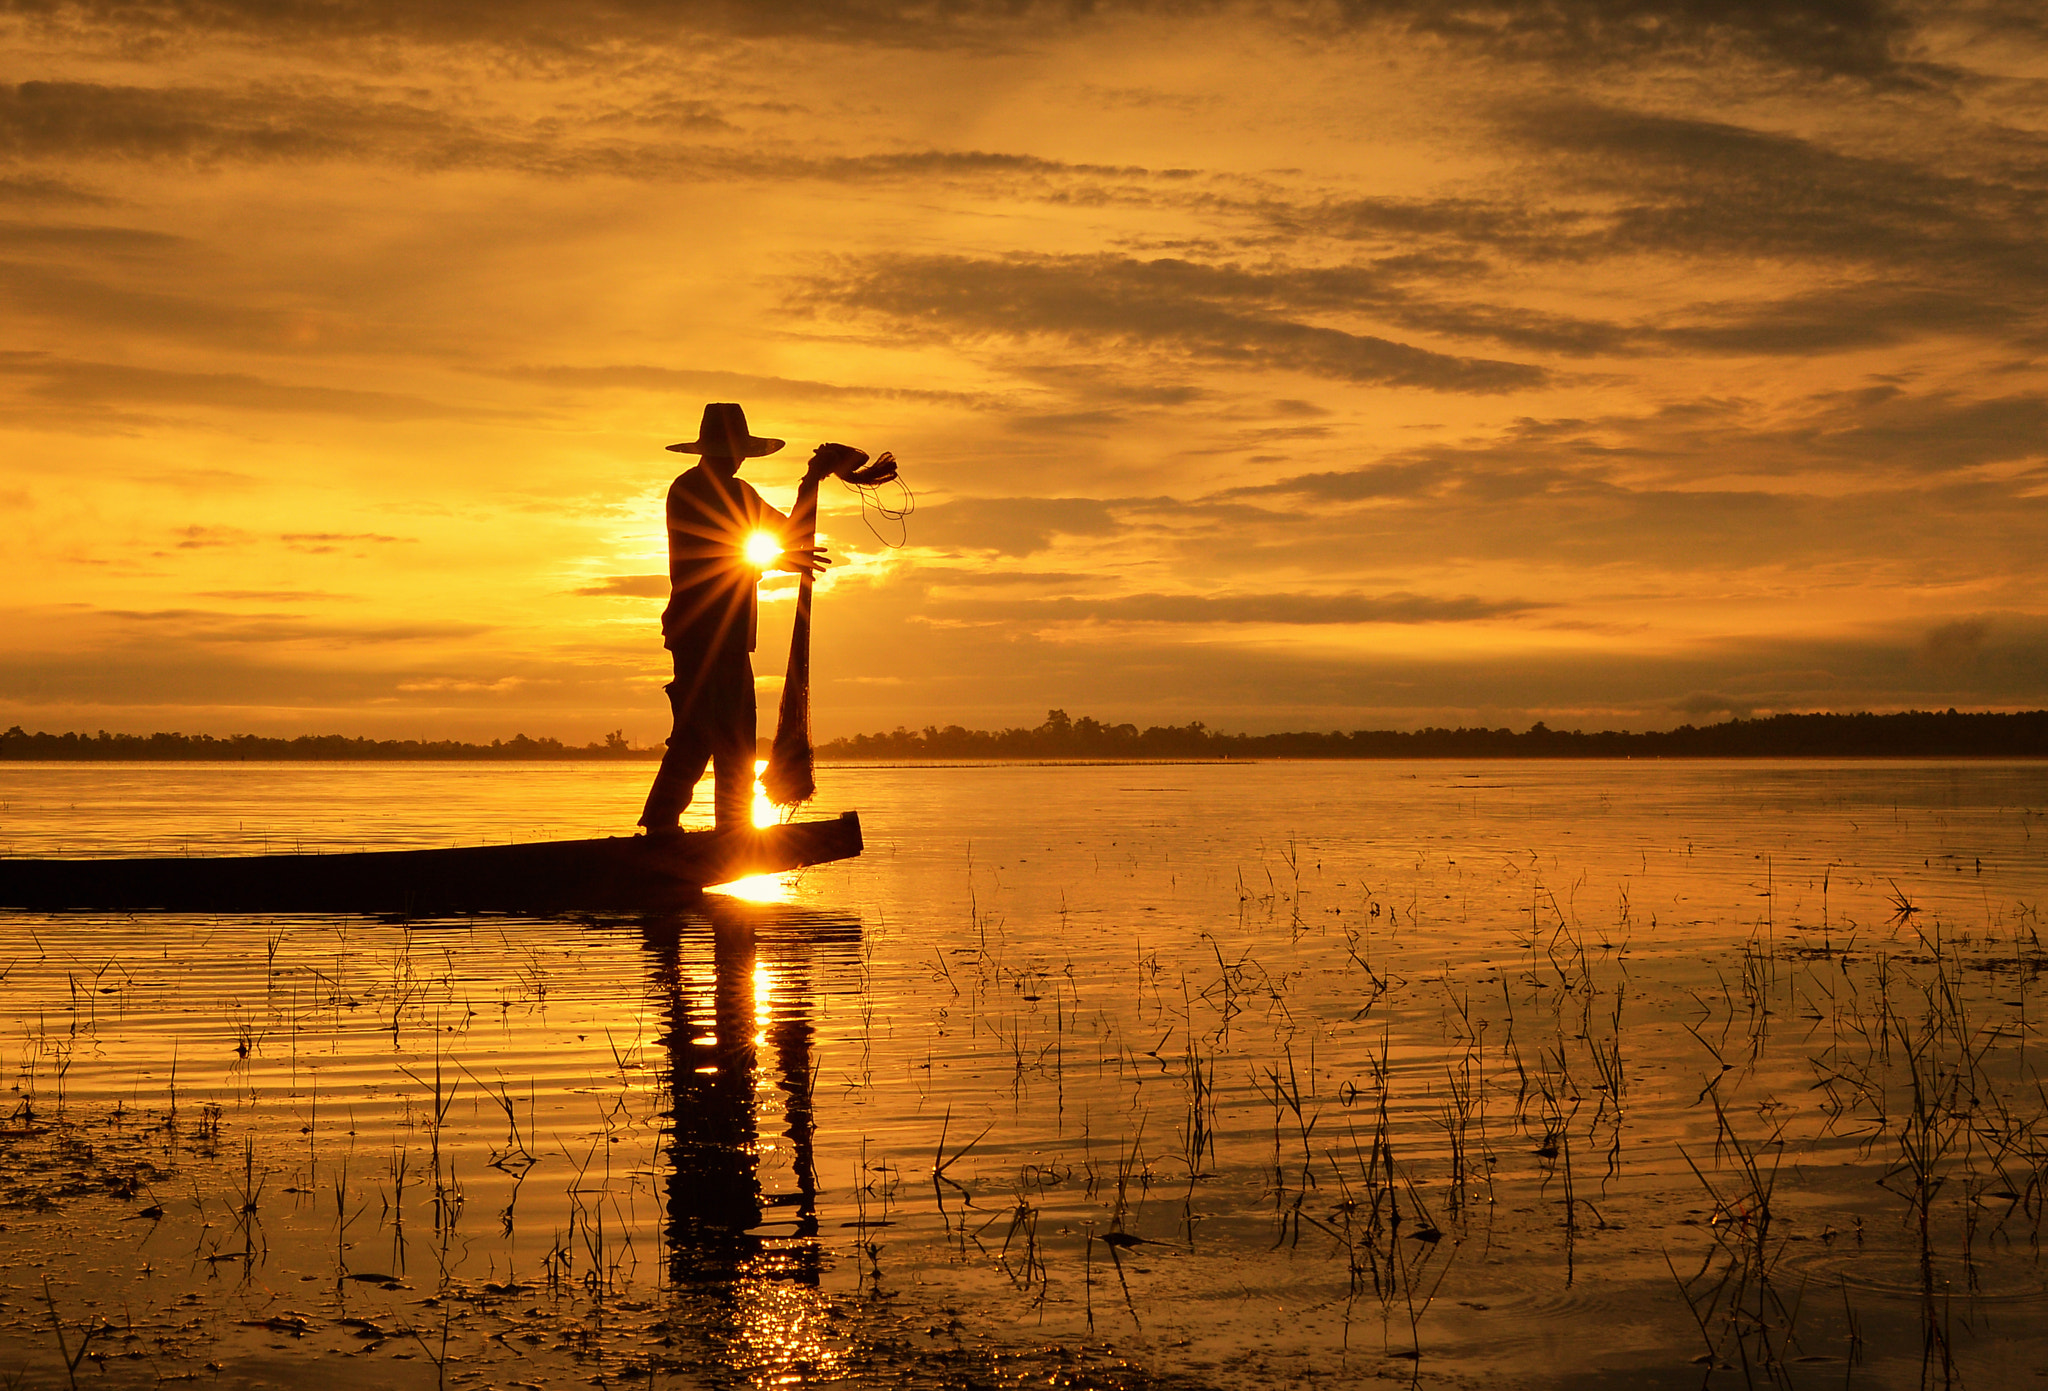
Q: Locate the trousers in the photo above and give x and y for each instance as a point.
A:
(713, 703)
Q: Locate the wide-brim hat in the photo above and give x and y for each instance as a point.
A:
(724, 434)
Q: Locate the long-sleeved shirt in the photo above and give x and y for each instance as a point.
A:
(714, 602)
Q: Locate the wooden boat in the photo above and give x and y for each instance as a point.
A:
(615, 872)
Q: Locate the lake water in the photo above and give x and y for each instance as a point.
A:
(1514, 1074)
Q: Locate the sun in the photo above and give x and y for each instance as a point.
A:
(762, 548)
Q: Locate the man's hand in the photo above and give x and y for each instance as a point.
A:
(810, 560)
(829, 459)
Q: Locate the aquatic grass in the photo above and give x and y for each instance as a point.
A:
(69, 1359)
(1737, 1292)
(441, 1092)
(513, 1156)
(941, 1161)
(1198, 1130)
(1027, 1269)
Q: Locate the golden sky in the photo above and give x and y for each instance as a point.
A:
(1348, 364)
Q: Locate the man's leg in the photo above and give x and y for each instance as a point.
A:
(734, 749)
(689, 749)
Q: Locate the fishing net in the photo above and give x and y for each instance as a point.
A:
(790, 778)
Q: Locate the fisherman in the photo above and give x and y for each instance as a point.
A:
(721, 536)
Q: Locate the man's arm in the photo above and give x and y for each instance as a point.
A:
(805, 559)
(827, 461)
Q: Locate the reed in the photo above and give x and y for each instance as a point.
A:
(1026, 1268)
(86, 1335)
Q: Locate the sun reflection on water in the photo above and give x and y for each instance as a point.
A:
(760, 888)
(782, 1329)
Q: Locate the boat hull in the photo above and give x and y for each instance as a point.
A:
(614, 872)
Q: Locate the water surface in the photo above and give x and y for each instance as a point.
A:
(1273, 1074)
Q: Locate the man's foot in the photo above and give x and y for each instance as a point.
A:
(662, 833)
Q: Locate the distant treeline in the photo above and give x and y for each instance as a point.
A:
(1914, 734)
(328, 748)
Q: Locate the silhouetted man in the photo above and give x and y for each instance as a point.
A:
(710, 623)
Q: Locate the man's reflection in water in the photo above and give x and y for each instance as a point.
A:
(742, 1187)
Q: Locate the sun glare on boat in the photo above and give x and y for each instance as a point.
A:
(761, 888)
(762, 548)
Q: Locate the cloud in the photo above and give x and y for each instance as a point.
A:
(1874, 314)
(1290, 406)
(1444, 233)
(1883, 435)
(1929, 433)
(1150, 673)
(41, 191)
(69, 385)
(1066, 422)
(464, 684)
(200, 538)
(1012, 525)
(1866, 39)
(1634, 504)
(950, 576)
(1099, 384)
(728, 386)
(1222, 315)
(64, 297)
(210, 626)
(318, 121)
(1282, 609)
(265, 689)
(1688, 184)
(628, 586)
(313, 121)
(328, 542)
(87, 240)
(1913, 246)
(1702, 705)
(1414, 478)
(1953, 647)
(1870, 40)
(197, 480)
(205, 125)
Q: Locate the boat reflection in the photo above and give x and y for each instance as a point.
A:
(734, 981)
